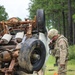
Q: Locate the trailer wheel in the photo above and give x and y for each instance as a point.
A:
(32, 55)
(40, 20)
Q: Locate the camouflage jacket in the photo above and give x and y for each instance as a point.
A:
(61, 49)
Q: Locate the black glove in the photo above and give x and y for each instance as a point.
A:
(51, 45)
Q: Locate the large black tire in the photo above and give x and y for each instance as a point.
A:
(27, 61)
(40, 20)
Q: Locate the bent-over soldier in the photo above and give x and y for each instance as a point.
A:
(59, 45)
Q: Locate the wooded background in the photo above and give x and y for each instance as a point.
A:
(60, 14)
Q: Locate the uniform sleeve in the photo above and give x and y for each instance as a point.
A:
(63, 51)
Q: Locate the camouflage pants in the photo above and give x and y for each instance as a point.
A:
(62, 69)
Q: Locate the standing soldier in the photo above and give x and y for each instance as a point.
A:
(59, 46)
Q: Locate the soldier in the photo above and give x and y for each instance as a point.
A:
(59, 46)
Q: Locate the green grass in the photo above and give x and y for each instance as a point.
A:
(50, 69)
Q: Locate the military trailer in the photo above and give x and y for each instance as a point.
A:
(23, 45)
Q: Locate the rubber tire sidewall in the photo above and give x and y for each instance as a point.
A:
(40, 20)
(25, 53)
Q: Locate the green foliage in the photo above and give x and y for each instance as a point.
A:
(3, 13)
(50, 69)
(72, 52)
(19, 18)
(71, 62)
(51, 60)
(73, 17)
(58, 15)
(53, 10)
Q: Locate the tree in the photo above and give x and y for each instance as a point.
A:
(58, 15)
(70, 22)
(19, 18)
(3, 13)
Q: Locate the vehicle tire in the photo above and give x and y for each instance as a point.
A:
(32, 55)
(40, 20)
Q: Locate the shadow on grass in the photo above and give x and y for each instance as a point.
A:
(70, 70)
(51, 70)
(54, 70)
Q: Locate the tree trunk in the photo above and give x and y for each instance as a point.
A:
(63, 18)
(73, 33)
(70, 22)
(64, 27)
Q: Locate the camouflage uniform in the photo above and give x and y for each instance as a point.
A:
(59, 51)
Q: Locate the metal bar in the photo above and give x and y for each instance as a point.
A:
(20, 22)
(12, 64)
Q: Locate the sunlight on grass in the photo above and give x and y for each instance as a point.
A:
(50, 69)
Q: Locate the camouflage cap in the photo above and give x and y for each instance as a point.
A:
(52, 33)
